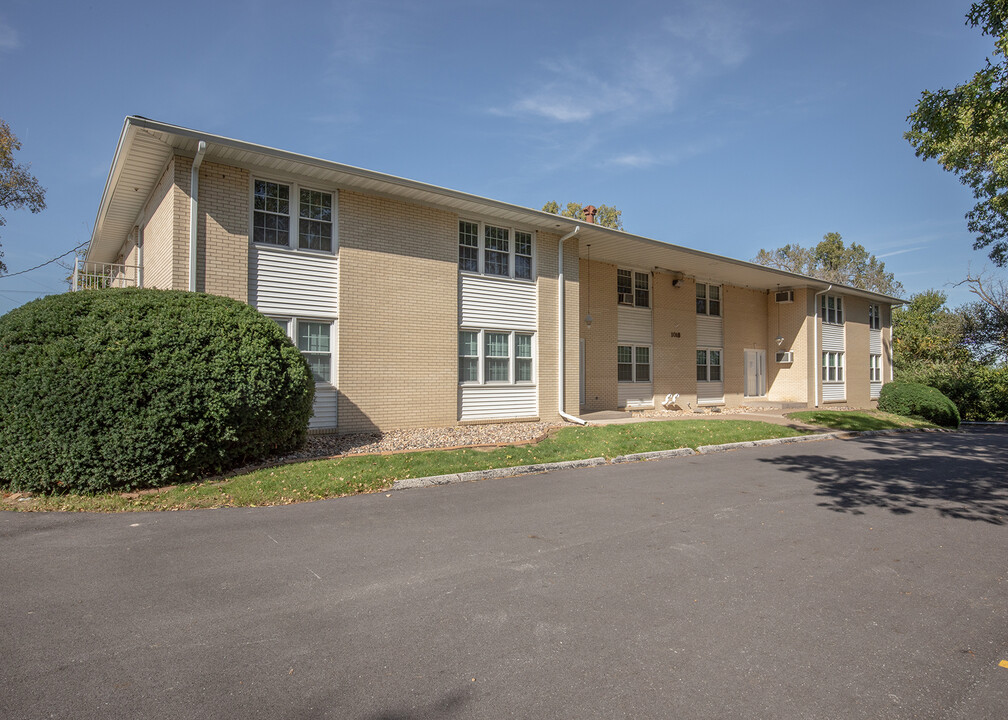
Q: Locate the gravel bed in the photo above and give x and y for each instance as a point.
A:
(317, 446)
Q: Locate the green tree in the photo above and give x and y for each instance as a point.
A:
(966, 130)
(927, 334)
(18, 187)
(833, 261)
(606, 215)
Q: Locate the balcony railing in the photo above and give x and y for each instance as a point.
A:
(96, 275)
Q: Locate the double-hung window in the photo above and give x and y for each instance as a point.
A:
(496, 250)
(633, 363)
(274, 221)
(832, 309)
(832, 366)
(314, 339)
(633, 288)
(708, 365)
(874, 317)
(495, 357)
(708, 299)
(875, 368)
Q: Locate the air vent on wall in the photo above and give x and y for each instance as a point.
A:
(785, 296)
(785, 356)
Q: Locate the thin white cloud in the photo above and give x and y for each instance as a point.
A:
(9, 39)
(916, 248)
(644, 158)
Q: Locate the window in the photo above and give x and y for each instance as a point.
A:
(313, 342)
(468, 356)
(874, 317)
(495, 356)
(708, 299)
(495, 250)
(271, 216)
(832, 367)
(633, 288)
(832, 309)
(875, 368)
(633, 363)
(708, 364)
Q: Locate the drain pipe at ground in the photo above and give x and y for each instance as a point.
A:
(817, 369)
(193, 207)
(562, 390)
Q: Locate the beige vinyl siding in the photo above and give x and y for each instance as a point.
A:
(488, 302)
(287, 282)
(875, 348)
(710, 332)
(636, 394)
(634, 326)
(490, 402)
(833, 341)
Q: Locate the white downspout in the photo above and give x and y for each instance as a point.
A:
(193, 208)
(815, 342)
(560, 328)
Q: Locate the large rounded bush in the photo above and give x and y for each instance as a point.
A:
(124, 389)
(916, 400)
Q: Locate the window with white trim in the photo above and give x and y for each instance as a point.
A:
(875, 317)
(832, 367)
(633, 288)
(496, 357)
(633, 363)
(314, 339)
(708, 299)
(272, 211)
(496, 250)
(708, 365)
(875, 368)
(832, 309)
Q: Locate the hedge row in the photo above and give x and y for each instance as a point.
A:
(920, 401)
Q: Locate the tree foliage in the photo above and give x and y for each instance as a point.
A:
(966, 130)
(18, 187)
(606, 215)
(833, 261)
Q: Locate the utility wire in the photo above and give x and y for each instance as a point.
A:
(47, 262)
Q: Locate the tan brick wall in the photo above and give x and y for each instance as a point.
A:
(789, 383)
(674, 337)
(398, 315)
(745, 327)
(856, 345)
(222, 231)
(546, 262)
(598, 295)
(158, 242)
(180, 233)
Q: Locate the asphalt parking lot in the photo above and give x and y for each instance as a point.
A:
(834, 579)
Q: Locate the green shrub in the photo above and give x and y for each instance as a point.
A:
(920, 401)
(124, 389)
(979, 391)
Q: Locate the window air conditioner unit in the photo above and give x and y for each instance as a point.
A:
(785, 356)
(785, 296)
(626, 298)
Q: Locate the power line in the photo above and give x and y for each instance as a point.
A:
(47, 262)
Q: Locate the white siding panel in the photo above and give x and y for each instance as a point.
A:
(296, 284)
(710, 392)
(324, 407)
(489, 402)
(833, 337)
(635, 395)
(834, 392)
(497, 303)
(633, 326)
(709, 332)
(875, 342)
(876, 388)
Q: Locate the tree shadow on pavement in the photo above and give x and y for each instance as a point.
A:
(959, 475)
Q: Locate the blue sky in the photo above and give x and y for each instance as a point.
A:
(727, 126)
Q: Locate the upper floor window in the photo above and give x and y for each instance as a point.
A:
(633, 288)
(708, 299)
(272, 211)
(874, 317)
(495, 250)
(832, 309)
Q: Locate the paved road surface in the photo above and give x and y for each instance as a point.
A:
(836, 579)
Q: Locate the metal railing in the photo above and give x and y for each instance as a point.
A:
(96, 275)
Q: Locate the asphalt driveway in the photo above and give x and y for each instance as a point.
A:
(860, 578)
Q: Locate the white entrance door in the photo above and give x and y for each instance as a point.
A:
(581, 378)
(755, 373)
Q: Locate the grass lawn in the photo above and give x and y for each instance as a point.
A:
(313, 480)
(858, 419)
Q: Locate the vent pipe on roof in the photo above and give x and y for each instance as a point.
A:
(193, 208)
